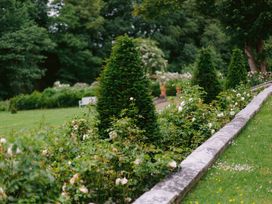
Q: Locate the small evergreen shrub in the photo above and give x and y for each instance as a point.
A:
(123, 85)
(205, 75)
(237, 72)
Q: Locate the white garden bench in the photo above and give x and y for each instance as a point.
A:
(87, 100)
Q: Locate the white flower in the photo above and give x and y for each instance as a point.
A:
(85, 136)
(75, 127)
(212, 131)
(64, 187)
(65, 194)
(180, 108)
(236, 104)
(18, 151)
(172, 164)
(45, 152)
(137, 161)
(118, 181)
(220, 115)
(131, 98)
(190, 99)
(242, 98)
(74, 179)
(83, 189)
(210, 125)
(3, 141)
(232, 113)
(193, 119)
(113, 135)
(128, 199)
(2, 194)
(238, 95)
(9, 151)
(182, 104)
(248, 95)
(69, 163)
(122, 181)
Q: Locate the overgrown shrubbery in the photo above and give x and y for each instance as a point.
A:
(193, 121)
(74, 165)
(51, 98)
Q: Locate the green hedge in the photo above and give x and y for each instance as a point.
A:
(51, 98)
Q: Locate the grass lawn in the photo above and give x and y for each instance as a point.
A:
(243, 174)
(25, 120)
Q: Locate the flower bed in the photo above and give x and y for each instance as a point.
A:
(72, 164)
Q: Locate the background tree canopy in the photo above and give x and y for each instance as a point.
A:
(69, 40)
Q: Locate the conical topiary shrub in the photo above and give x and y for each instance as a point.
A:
(205, 75)
(237, 72)
(124, 86)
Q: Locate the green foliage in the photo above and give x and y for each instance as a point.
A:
(237, 72)
(73, 164)
(125, 86)
(75, 30)
(205, 75)
(51, 98)
(191, 122)
(22, 47)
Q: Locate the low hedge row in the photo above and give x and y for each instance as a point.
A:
(50, 98)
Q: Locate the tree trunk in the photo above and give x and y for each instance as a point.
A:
(250, 58)
(260, 50)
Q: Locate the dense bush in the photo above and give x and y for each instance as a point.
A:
(51, 98)
(124, 86)
(73, 165)
(205, 75)
(237, 72)
(193, 121)
(4, 105)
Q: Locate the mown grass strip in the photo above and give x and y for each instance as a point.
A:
(243, 174)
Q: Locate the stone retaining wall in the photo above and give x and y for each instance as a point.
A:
(174, 188)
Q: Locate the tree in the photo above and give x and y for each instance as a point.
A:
(22, 44)
(75, 29)
(237, 72)
(205, 75)
(248, 22)
(122, 83)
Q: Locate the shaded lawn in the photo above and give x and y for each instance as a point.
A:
(243, 174)
(25, 120)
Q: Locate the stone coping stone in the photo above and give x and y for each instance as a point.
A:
(173, 188)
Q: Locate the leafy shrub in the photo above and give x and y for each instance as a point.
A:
(74, 165)
(237, 72)
(58, 165)
(4, 106)
(122, 84)
(189, 121)
(155, 89)
(205, 75)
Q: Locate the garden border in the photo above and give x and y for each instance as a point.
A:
(173, 188)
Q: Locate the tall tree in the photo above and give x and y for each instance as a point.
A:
(22, 44)
(74, 28)
(248, 22)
